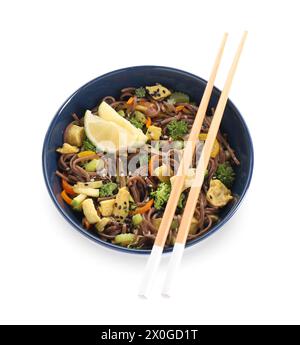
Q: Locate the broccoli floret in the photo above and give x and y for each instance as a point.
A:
(88, 145)
(178, 97)
(177, 129)
(137, 123)
(162, 194)
(140, 92)
(107, 189)
(225, 174)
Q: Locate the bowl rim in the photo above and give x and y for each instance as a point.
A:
(93, 237)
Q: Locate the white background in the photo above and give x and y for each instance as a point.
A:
(246, 273)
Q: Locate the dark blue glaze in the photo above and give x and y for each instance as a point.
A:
(110, 84)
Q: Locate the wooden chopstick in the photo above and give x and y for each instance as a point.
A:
(154, 259)
(199, 176)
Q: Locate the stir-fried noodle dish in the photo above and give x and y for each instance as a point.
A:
(118, 161)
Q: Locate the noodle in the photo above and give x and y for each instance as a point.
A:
(71, 168)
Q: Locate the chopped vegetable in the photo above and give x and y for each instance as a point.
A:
(67, 187)
(67, 148)
(163, 173)
(157, 221)
(124, 239)
(88, 145)
(153, 132)
(130, 101)
(94, 184)
(178, 97)
(107, 189)
(137, 219)
(132, 205)
(75, 135)
(194, 226)
(94, 165)
(102, 224)
(106, 207)
(140, 116)
(216, 148)
(121, 206)
(158, 91)
(143, 209)
(179, 108)
(65, 197)
(87, 191)
(136, 122)
(140, 92)
(77, 202)
(86, 153)
(141, 108)
(225, 174)
(162, 194)
(121, 112)
(150, 165)
(177, 129)
(148, 122)
(90, 211)
(85, 223)
(218, 194)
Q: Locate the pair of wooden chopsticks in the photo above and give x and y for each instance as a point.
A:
(154, 259)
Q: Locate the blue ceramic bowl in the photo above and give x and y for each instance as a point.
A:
(110, 84)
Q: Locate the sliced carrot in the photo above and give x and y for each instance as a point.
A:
(85, 153)
(150, 167)
(86, 223)
(68, 188)
(130, 101)
(148, 122)
(65, 197)
(144, 208)
(179, 108)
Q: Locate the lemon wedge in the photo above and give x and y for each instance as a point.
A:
(106, 112)
(106, 135)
